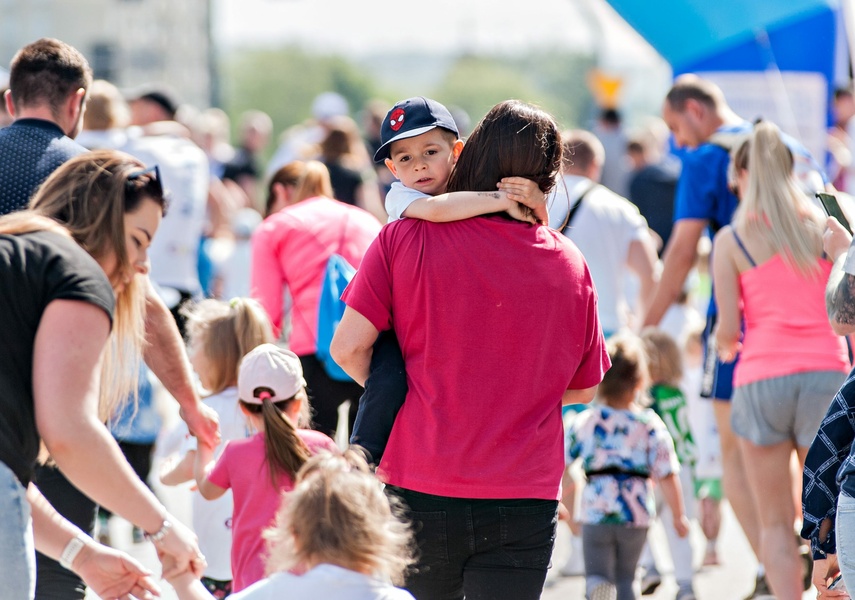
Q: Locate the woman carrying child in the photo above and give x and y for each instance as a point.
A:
(272, 397)
(622, 447)
(219, 335)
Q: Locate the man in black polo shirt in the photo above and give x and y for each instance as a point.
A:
(48, 85)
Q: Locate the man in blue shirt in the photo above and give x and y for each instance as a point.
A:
(701, 121)
(48, 85)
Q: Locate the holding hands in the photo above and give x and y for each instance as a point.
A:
(113, 574)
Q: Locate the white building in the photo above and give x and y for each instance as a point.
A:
(128, 42)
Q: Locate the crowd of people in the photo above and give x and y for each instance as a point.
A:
(540, 325)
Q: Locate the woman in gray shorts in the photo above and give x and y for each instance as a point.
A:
(770, 276)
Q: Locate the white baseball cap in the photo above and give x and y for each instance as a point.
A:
(271, 372)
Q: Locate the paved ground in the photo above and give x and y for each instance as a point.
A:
(733, 580)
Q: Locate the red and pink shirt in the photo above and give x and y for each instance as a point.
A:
(496, 319)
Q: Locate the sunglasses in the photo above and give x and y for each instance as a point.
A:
(154, 179)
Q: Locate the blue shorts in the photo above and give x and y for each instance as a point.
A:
(717, 383)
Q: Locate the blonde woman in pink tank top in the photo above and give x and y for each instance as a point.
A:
(770, 275)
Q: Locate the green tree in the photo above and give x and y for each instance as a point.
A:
(283, 82)
(553, 82)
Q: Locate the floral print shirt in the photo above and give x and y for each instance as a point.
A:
(621, 450)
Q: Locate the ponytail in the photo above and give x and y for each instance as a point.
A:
(284, 448)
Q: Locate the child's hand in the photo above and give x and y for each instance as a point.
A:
(528, 193)
(575, 527)
(681, 525)
(522, 213)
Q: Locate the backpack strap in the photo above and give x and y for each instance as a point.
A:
(575, 207)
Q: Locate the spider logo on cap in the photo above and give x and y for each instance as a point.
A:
(396, 119)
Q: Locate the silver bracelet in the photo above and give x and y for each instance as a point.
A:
(158, 535)
(71, 550)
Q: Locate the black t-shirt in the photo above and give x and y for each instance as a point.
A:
(35, 269)
(243, 163)
(345, 182)
(652, 190)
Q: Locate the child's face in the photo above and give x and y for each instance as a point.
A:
(424, 162)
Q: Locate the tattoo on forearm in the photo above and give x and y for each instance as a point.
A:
(840, 302)
(490, 194)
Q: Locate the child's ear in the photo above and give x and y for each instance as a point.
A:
(456, 149)
(391, 166)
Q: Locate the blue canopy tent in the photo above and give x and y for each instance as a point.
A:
(785, 44)
(692, 35)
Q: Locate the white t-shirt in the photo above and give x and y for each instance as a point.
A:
(603, 228)
(212, 519)
(399, 198)
(326, 582)
(174, 253)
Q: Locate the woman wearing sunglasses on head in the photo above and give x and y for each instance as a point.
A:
(71, 312)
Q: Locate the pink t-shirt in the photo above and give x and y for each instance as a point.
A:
(243, 468)
(496, 319)
(786, 324)
(291, 248)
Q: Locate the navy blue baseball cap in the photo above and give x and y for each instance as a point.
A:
(412, 117)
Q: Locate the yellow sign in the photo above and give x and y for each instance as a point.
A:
(605, 88)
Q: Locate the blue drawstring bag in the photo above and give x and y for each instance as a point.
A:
(331, 307)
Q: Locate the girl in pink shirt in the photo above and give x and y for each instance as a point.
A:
(770, 275)
(272, 396)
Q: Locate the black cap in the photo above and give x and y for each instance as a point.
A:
(412, 117)
(161, 95)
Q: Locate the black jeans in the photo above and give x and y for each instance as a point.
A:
(54, 582)
(385, 392)
(480, 549)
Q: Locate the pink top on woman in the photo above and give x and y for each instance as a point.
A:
(291, 248)
(786, 326)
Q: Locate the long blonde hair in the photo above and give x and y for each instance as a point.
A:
(773, 208)
(339, 514)
(89, 196)
(225, 332)
(315, 181)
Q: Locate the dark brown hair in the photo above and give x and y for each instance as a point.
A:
(513, 139)
(47, 71)
(691, 87)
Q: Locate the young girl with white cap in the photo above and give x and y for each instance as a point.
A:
(272, 396)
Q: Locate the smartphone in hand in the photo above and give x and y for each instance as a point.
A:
(832, 209)
(837, 584)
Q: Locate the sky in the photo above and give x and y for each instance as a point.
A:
(355, 27)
